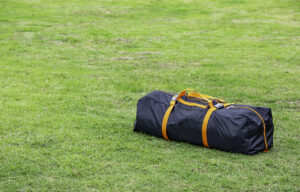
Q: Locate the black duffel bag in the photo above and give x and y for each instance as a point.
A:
(204, 120)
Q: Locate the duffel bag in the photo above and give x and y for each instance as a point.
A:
(206, 121)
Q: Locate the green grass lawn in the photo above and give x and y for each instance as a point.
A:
(71, 73)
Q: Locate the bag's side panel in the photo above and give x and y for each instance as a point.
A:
(185, 124)
(149, 116)
(228, 130)
(256, 133)
(269, 127)
(150, 112)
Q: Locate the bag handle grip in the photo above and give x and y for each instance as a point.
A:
(199, 95)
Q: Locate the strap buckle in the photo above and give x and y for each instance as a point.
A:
(174, 98)
(219, 106)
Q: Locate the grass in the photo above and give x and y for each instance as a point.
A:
(71, 73)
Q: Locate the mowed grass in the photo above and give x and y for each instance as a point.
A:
(71, 73)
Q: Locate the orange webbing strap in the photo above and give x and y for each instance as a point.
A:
(165, 119)
(204, 125)
(203, 96)
(168, 112)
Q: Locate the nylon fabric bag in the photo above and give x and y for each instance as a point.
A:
(205, 121)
